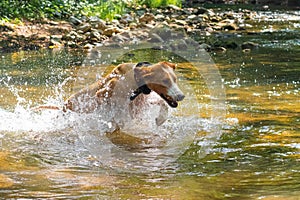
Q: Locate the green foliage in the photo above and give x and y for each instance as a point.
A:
(106, 9)
(159, 3)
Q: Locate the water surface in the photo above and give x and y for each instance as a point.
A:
(45, 155)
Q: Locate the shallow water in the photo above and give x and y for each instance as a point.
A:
(53, 155)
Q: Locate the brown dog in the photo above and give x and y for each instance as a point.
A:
(129, 84)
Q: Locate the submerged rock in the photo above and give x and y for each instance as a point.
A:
(249, 45)
(163, 31)
(155, 38)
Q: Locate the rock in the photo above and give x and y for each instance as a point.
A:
(117, 16)
(155, 38)
(117, 23)
(249, 45)
(88, 46)
(82, 38)
(229, 15)
(146, 18)
(246, 50)
(205, 46)
(71, 44)
(95, 36)
(75, 21)
(192, 17)
(201, 10)
(97, 23)
(126, 19)
(84, 27)
(181, 22)
(70, 36)
(190, 41)
(173, 7)
(119, 38)
(163, 31)
(219, 49)
(111, 31)
(244, 26)
(55, 40)
(141, 35)
(179, 45)
(215, 18)
(175, 26)
(112, 44)
(133, 25)
(160, 17)
(227, 25)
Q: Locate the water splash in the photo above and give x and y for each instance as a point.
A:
(146, 146)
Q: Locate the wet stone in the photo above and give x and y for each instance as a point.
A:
(84, 27)
(110, 31)
(75, 21)
(155, 38)
(249, 45)
(163, 31)
(96, 36)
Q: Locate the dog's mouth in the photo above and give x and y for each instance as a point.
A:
(171, 102)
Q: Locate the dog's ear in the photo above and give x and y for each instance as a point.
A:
(172, 65)
(139, 74)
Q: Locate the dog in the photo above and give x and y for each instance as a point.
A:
(126, 89)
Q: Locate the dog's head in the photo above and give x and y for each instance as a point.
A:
(160, 78)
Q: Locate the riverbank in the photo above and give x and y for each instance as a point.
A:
(198, 23)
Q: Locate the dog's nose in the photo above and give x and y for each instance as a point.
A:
(180, 97)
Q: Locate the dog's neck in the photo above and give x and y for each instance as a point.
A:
(142, 86)
(125, 82)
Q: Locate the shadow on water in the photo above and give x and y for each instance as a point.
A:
(257, 157)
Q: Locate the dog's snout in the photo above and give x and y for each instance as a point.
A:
(180, 97)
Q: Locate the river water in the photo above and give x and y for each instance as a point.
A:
(247, 149)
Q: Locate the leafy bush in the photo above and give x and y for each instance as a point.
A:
(106, 9)
(159, 3)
